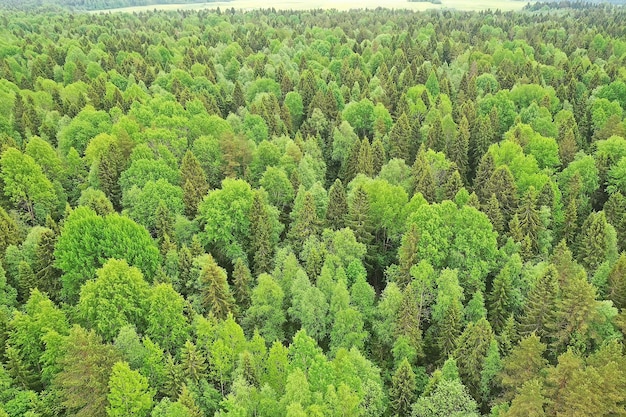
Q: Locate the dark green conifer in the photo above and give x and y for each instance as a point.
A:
(337, 206)
(195, 185)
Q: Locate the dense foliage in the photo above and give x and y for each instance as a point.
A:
(91, 4)
(376, 213)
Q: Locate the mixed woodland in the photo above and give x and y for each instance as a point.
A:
(321, 213)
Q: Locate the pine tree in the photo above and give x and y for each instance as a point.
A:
(423, 177)
(261, 247)
(305, 224)
(242, 284)
(195, 185)
(529, 402)
(615, 209)
(617, 283)
(188, 400)
(570, 223)
(400, 138)
(403, 392)
(216, 295)
(337, 206)
(164, 225)
(539, 306)
(9, 233)
(351, 164)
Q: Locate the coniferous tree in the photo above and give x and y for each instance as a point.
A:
(358, 217)
(195, 185)
(48, 277)
(337, 206)
(539, 305)
(216, 295)
(400, 138)
(483, 173)
(493, 212)
(378, 156)
(616, 290)
(305, 224)
(242, 284)
(470, 354)
(403, 390)
(500, 300)
(452, 186)
(529, 220)
(110, 167)
(407, 255)
(424, 181)
(365, 161)
(502, 184)
(595, 241)
(193, 362)
(261, 246)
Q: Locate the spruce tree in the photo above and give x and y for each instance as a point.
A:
(337, 206)
(242, 284)
(399, 138)
(48, 277)
(403, 392)
(493, 212)
(595, 241)
(500, 300)
(110, 167)
(193, 362)
(524, 363)
(472, 348)
(616, 291)
(529, 220)
(424, 180)
(483, 173)
(502, 184)
(9, 233)
(407, 255)
(216, 295)
(378, 156)
(261, 247)
(452, 186)
(540, 305)
(358, 217)
(305, 224)
(195, 185)
(365, 164)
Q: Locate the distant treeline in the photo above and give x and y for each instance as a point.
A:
(92, 4)
(556, 4)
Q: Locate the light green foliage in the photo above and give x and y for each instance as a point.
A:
(25, 184)
(166, 323)
(129, 393)
(266, 311)
(142, 203)
(88, 240)
(116, 297)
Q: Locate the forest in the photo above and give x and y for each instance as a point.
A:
(301, 214)
(90, 4)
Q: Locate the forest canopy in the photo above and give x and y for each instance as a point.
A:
(321, 213)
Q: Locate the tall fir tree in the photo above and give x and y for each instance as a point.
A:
(261, 247)
(337, 206)
(595, 241)
(424, 180)
(502, 184)
(305, 224)
(195, 185)
(378, 156)
(110, 167)
(242, 284)
(216, 295)
(400, 138)
(616, 285)
(365, 161)
(403, 392)
(484, 172)
(539, 307)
